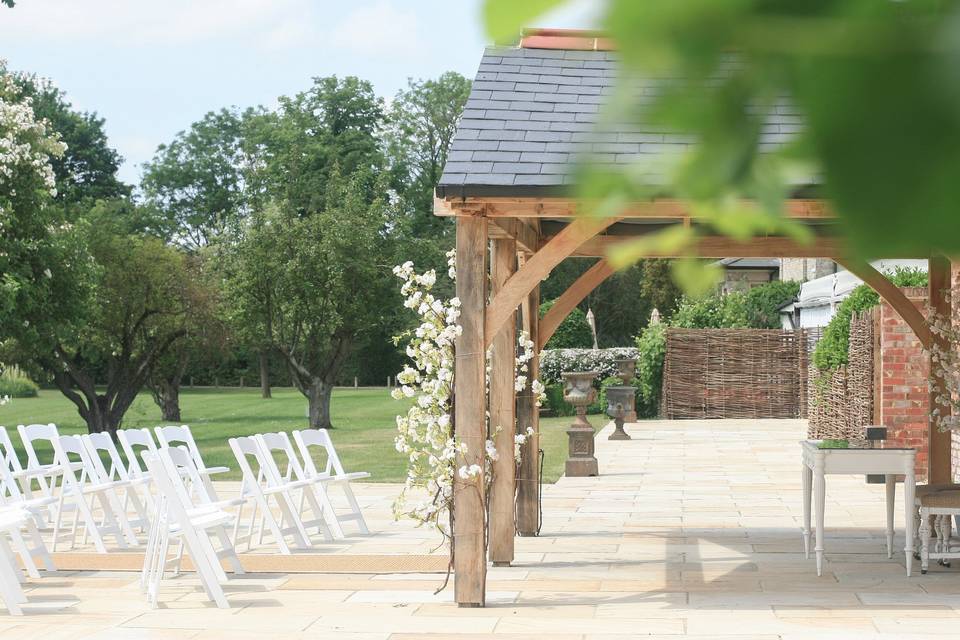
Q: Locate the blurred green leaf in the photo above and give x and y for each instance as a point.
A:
(696, 277)
(671, 240)
(505, 19)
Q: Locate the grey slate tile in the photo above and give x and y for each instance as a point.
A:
(496, 156)
(539, 179)
(468, 167)
(534, 156)
(522, 146)
(489, 178)
(516, 167)
(499, 134)
(526, 125)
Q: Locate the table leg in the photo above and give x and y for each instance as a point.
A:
(909, 495)
(891, 500)
(819, 496)
(806, 479)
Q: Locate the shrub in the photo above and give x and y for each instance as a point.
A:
(17, 386)
(559, 407)
(763, 303)
(831, 351)
(651, 348)
(573, 332)
(553, 362)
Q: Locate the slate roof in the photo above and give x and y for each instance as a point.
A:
(532, 114)
(749, 263)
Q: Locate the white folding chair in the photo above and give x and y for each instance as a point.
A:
(333, 471)
(313, 491)
(88, 486)
(23, 477)
(130, 440)
(11, 520)
(260, 487)
(10, 496)
(98, 443)
(178, 518)
(46, 474)
(173, 435)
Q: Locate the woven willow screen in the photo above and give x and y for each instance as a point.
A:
(734, 373)
(841, 401)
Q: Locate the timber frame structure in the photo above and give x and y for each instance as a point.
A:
(514, 225)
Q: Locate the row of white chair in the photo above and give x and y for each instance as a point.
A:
(85, 483)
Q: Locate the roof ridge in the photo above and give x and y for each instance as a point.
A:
(569, 39)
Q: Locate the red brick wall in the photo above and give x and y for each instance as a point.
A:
(904, 399)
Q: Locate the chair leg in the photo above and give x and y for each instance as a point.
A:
(924, 539)
(355, 508)
(10, 589)
(228, 551)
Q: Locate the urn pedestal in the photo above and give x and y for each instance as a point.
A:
(618, 401)
(578, 390)
(626, 371)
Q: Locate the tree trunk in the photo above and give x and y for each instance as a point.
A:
(264, 358)
(318, 396)
(166, 393)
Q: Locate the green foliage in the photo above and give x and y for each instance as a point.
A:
(87, 170)
(652, 345)
(763, 303)
(573, 332)
(832, 350)
(880, 126)
(16, 385)
(196, 183)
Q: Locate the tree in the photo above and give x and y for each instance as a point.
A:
(333, 124)
(315, 282)
(87, 170)
(41, 266)
(138, 294)
(197, 183)
(205, 336)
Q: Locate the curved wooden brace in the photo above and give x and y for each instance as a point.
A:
(538, 267)
(568, 301)
(894, 297)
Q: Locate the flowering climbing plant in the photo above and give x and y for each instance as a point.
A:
(425, 433)
(945, 365)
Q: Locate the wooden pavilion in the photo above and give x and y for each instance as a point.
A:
(531, 113)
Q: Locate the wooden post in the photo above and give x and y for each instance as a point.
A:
(938, 442)
(469, 560)
(503, 261)
(528, 415)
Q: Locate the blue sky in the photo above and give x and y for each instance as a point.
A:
(152, 68)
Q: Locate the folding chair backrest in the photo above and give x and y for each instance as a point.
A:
(32, 433)
(186, 468)
(9, 489)
(9, 454)
(168, 477)
(102, 442)
(172, 435)
(280, 441)
(130, 439)
(307, 438)
(242, 448)
(63, 448)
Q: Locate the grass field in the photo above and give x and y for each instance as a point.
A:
(363, 422)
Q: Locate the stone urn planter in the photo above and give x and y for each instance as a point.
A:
(578, 390)
(619, 400)
(627, 371)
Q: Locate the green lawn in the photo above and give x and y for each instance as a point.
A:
(363, 421)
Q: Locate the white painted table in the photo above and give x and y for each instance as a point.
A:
(817, 463)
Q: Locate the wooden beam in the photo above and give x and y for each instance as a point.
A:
(938, 442)
(894, 297)
(523, 234)
(570, 298)
(538, 267)
(528, 417)
(665, 208)
(503, 356)
(723, 247)
(469, 536)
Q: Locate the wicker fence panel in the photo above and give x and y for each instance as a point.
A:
(732, 373)
(840, 402)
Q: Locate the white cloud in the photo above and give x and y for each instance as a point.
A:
(379, 29)
(127, 22)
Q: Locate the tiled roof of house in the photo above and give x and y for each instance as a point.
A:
(532, 114)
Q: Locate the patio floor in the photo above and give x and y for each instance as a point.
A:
(692, 530)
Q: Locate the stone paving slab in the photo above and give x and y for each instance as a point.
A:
(691, 531)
